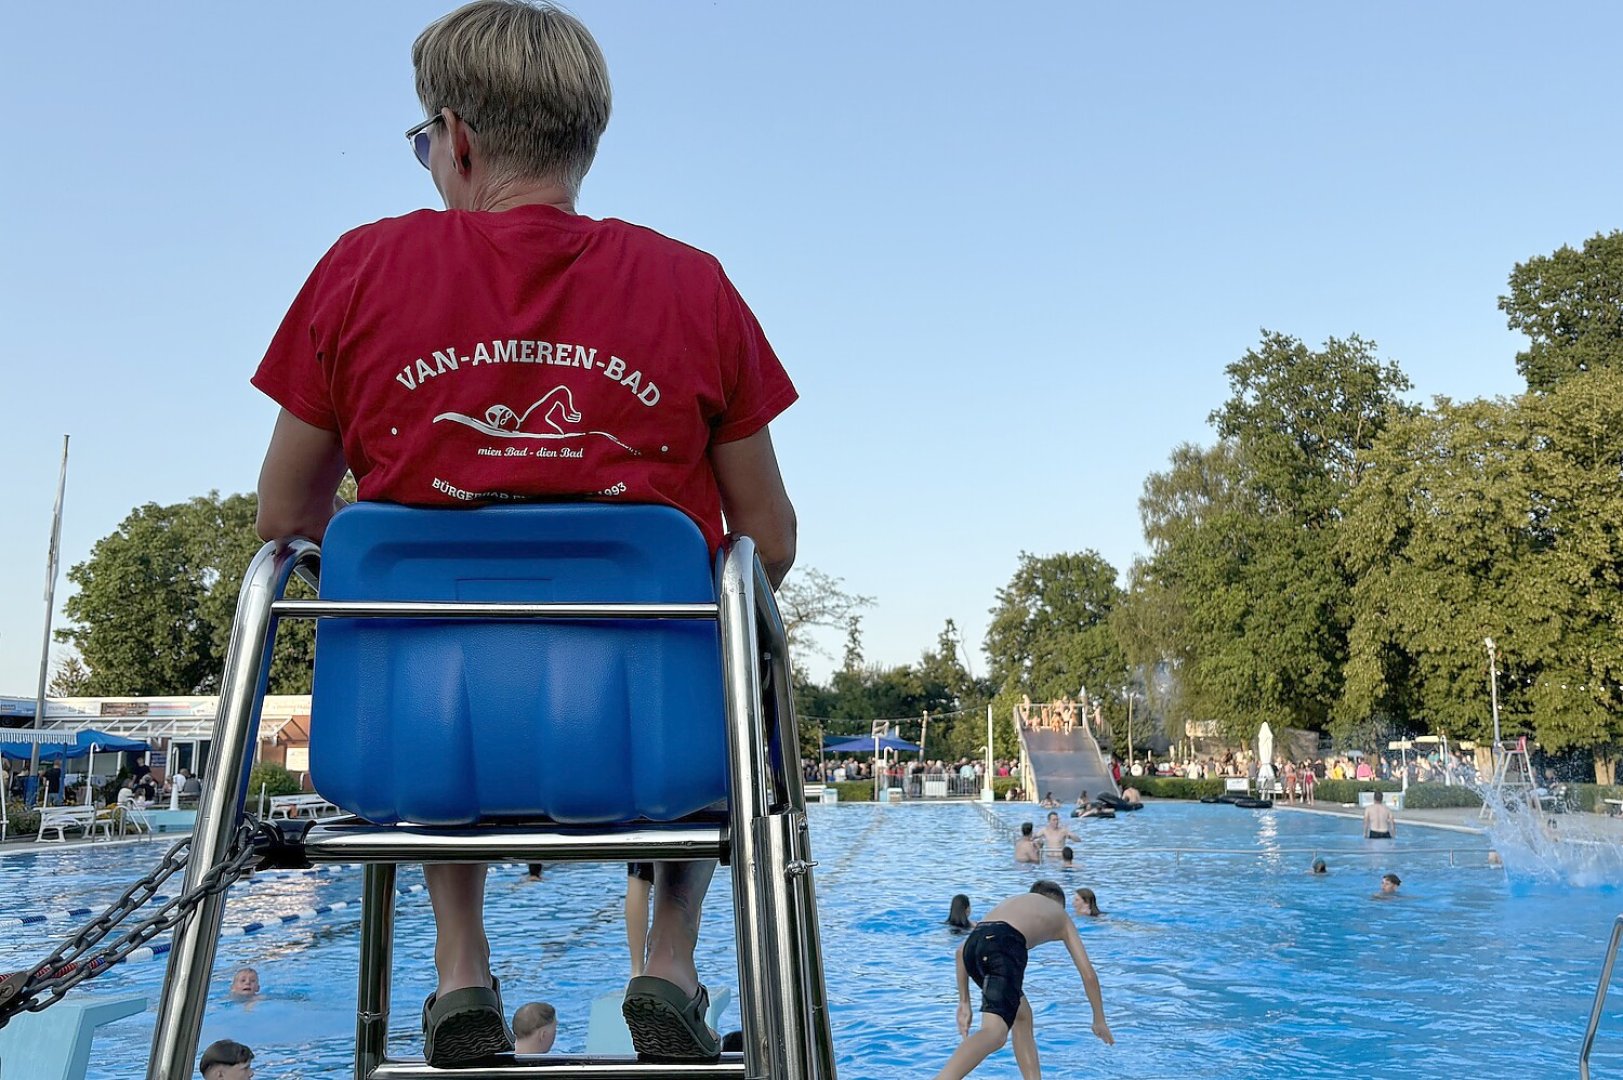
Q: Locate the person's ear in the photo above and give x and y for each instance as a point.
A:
(457, 132)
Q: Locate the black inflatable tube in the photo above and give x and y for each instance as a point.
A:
(1254, 804)
(1116, 802)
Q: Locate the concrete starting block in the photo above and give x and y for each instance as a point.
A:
(55, 1044)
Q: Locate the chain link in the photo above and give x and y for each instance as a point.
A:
(48, 981)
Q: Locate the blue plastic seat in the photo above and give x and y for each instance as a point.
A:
(448, 723)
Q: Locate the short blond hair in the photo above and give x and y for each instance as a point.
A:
(528, 77)
(533, 1017)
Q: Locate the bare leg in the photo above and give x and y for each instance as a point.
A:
(679, 889)
(976, 1047)
(637, 921)
(461, 950)
(1025, 1043)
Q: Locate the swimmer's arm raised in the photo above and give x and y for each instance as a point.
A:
(964, 1013)
(1090, 981)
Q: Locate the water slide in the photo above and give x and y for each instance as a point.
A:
(1066, 763)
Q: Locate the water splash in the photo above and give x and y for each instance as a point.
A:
(1541, 847)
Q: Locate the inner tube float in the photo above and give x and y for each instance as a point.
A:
(1211, 800)
(1254, 804)
(1116, 802)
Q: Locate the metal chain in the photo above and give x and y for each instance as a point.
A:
(48, 982)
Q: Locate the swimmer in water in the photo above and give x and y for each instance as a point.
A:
(245, 984)
(994, 957)
(1389, 887)
(532, 875)
(958, 917)
(1494, 858)
(535, 1028)
(226, 1060)
(1083, 902)
(1319, 867)
(1067, 856)
(1026, 849)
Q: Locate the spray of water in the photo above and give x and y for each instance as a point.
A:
(1550, 848)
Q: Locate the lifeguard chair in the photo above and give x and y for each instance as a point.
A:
(509, 643)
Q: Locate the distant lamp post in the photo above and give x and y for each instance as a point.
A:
(1493, 690)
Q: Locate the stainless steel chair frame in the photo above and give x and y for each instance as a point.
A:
(781, 990)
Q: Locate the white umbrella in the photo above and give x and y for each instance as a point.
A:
(1265, 743)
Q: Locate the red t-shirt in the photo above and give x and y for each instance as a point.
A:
(469, 358)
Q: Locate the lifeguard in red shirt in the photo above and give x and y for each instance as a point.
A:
(507, 348)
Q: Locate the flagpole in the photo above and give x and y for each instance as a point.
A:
(50, 606)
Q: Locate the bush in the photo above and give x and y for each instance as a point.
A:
(1346, 791)
(276, 780)
(854, 790)
(1173, 787)
(1589, 796)
(1440, 797)
(1002, 785)
(23, 821)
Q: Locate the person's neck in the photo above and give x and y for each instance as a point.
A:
(508, 196)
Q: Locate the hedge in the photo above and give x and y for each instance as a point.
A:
(1346, 791)
(22, 822)
(1440, 797)
(1589, 796)
(854, 790)
(1173, 787)
(276, 780)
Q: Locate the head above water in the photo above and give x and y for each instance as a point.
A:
(226, 1060)
(1379, 795)
(958, 912)
(517, 96)
(1067, 853)
(245, 983)
(1053, 818)
(1319, 867)
(1390, 883)
(1086, 902)
(1049, 889)
(535, 1026)
(1025, 828)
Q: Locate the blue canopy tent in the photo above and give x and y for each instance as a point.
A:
(84, 742)
(863, 744)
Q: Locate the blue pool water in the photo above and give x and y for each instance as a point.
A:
(1220, 955)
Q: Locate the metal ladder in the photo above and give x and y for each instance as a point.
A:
(762, 836)
(1512, 777)
(1600, 998)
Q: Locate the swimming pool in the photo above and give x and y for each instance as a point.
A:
(1223, 965)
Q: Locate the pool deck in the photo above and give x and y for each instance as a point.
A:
(1453, 820)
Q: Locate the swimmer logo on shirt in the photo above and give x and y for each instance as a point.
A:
(552, 416)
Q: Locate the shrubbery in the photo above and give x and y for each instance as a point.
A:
(1591, 796)
(276, 781)
(1440, 797)
(854, 790)
(1346, 791)
(1173, 787)
(22, 821)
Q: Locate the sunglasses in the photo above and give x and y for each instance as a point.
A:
(418, 136)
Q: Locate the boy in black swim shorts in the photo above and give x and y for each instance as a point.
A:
(994, 956)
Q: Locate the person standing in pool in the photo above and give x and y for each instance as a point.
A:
(1026, 849)
(1379, 823)
(994, 958)
(1055, 834)
(411, 329)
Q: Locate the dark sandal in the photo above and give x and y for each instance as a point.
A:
(666, 1024)
(465, 1026)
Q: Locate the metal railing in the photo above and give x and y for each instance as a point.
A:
(782, 994)
(1600, 998)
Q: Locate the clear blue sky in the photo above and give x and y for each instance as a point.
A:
(1005, 250)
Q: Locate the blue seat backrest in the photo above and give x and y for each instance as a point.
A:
(443, 722)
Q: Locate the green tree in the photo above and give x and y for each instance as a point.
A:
(1570, 306)
(156, 598)
(809, 598)
(1440, 542)
(1050, 636)
(70, 679)
(1243, 597)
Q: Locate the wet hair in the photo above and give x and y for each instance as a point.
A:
(1067, 854)
(1393, 878)
(1049, 889)
(1089, 901)
(224, 1052)
(1025, 828)
(1319, 867)
(958, 913)
(533, 1017)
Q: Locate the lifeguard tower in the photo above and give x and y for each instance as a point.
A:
(512, 643)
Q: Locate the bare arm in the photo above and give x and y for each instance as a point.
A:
(964, 1013)
(754, 502)
(1090, 980)
(298, 483)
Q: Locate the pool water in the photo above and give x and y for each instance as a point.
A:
(1219, 954)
